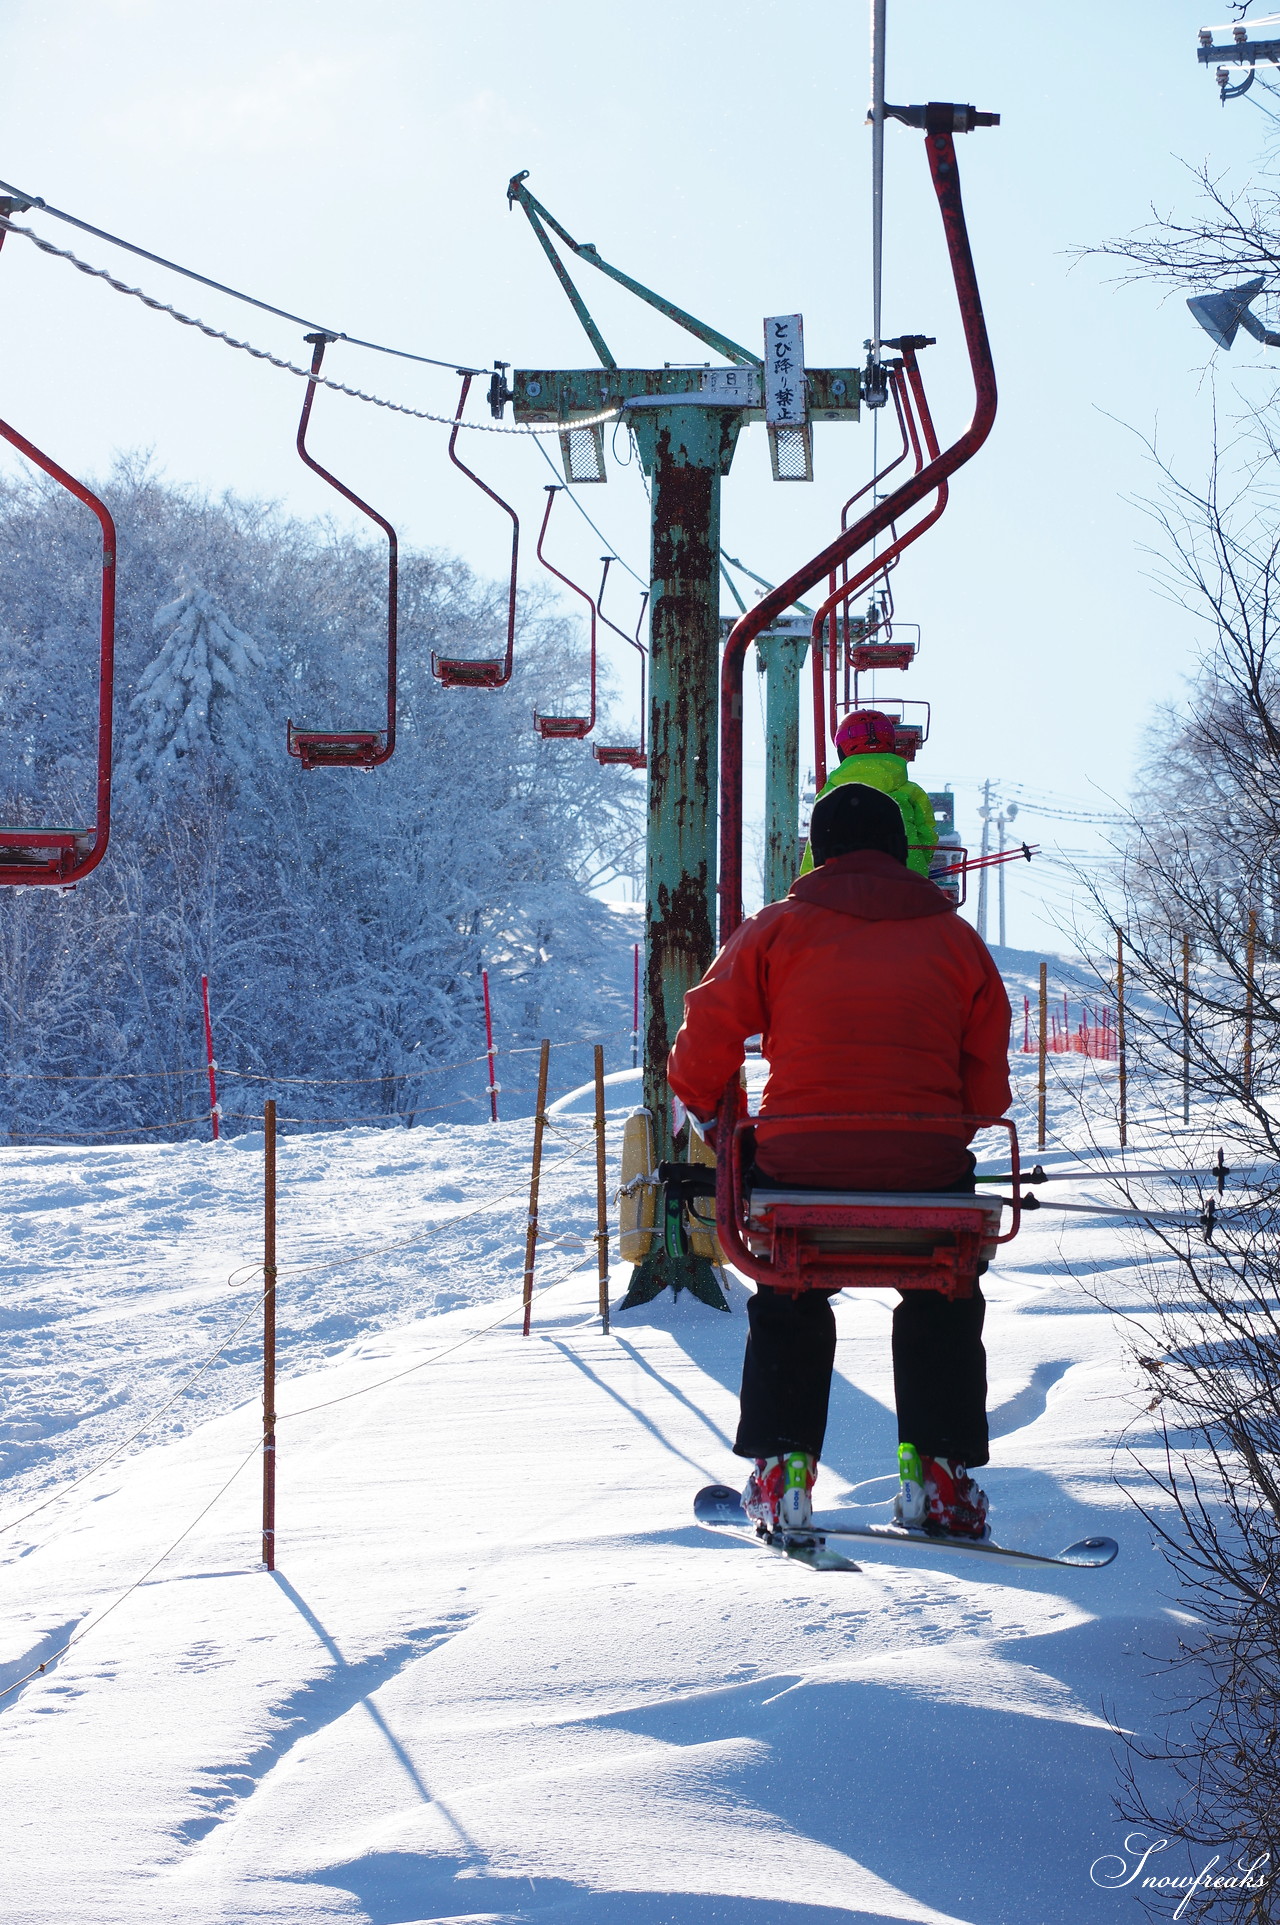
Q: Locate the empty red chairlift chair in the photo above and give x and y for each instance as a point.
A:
(62, 855)
(566, 728)
(483, 671)
(349, 748)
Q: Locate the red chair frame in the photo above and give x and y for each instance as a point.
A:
(949, 1266)
(566, 728)
(56, 856)
(490, 672)
(350, 748)
(618, 755)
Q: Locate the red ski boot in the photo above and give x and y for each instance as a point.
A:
(778, 1491)
(954, 1506)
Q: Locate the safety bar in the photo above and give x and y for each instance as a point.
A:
(940, 120)
(454, 671)
(356, 752)
(61, 857)
(566, 727)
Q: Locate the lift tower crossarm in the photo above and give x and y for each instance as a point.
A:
(585, 250)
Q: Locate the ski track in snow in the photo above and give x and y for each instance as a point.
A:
(500, 1674)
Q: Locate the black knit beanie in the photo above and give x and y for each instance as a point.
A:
(856, 816)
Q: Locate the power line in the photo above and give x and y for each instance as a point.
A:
(251, 300)
(291, 367)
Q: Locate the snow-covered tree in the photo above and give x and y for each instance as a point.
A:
(187, 698)
(342, 918)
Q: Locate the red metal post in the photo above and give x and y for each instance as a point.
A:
(1026, 1025)
(269, 1336)
(488, 1042)
(215, 1108)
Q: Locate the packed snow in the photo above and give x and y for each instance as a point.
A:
(500, 1674)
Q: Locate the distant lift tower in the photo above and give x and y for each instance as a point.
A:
(686, 422)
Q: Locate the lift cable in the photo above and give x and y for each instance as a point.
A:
(291, 367)
(220, 287)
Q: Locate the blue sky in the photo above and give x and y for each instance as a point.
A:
(351, 165)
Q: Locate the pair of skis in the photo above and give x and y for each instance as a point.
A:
(720, 1508)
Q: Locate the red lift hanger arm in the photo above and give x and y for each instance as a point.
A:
(562, 728)
(453, 671)
(61, 856)
(353, 748)
(941, 122)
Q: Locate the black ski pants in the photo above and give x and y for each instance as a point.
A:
(939, 1373)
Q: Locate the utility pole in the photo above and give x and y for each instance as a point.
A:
(985, 813)
(686, 422)
(1005, 817)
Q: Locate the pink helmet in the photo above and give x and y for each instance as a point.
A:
(866, 732)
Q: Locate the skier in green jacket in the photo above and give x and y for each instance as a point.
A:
(865, 741)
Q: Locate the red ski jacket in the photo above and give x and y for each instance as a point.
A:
(870, 994)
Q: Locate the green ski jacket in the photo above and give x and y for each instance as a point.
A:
(888, 772)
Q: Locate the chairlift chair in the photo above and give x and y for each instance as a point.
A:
(615, 755)
(349, 748)
(826, 620)
(798, 1240)
(61, 856)
(566, 728)
(485, 672)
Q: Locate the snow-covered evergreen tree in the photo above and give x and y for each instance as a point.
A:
(187, 698)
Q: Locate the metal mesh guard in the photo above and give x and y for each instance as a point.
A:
(791, 452)
(582, 452)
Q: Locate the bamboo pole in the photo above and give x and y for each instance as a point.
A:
(531, 1234)
(602, 1205)
(1250, 958)
(269, 1336)
(1044, 1048)
(1122, 1050)
(1186, 1028)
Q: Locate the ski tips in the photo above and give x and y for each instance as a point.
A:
(1092, 1552)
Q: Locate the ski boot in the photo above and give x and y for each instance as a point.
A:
(937, 1494)
(778, 1491)
(910, 1505)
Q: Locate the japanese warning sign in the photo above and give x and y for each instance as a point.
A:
(784, 390)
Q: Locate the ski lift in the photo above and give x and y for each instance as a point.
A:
(796, 1239)
(612, 755)
(872, 640)
(566, 728)
(61, 856)
(919, 424)
(454, 671)
(351, 748)
(830, 1240)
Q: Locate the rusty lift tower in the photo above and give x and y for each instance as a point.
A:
(686, 422)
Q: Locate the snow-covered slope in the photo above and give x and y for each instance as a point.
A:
(499, 1674)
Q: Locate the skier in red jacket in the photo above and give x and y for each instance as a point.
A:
(870, 995)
